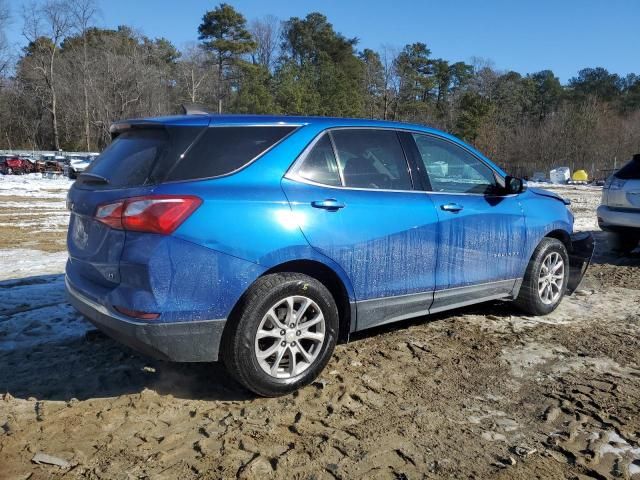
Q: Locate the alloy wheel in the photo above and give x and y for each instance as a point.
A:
(551, 278)
(290, 336)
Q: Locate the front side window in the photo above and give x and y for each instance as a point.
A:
(452, 169)
(372, 159)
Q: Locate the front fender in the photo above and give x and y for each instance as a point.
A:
(543, 215)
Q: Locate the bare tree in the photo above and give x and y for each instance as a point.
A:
(266, 32)
(5, 56)
(390, 94)
(83, 13)
(45, 26)
(194, 76)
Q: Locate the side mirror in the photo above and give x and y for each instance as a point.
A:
(514, 185)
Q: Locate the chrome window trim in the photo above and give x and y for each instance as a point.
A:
(336, 157)
(292, 173)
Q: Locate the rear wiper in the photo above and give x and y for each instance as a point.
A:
(93, 178)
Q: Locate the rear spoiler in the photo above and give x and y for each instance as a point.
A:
(120, 127)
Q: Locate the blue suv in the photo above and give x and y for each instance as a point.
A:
(264, 240)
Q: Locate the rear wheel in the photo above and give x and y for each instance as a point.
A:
(545, 280)
(283, 334)
(623, 242)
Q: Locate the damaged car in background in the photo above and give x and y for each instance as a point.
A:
(77, 164)
(264, 240)
(13, 165)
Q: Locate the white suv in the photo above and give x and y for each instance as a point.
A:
(620, 209)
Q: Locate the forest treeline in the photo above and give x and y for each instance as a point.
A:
(73, 79)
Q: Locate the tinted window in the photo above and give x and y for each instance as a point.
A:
(130, 157)
(222, 150)
(453, 169)
(371, 159)
(320, 164)
(631, 171)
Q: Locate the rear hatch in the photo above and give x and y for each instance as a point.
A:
(135, 162)
(624, 187)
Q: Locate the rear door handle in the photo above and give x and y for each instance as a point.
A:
(330, 204)
(451, 207)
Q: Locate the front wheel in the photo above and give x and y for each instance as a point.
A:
(546, 278)
(282, 334)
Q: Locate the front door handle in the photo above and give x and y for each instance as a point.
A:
(330, 204)
(451, 207)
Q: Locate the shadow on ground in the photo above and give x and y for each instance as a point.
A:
(44, 353)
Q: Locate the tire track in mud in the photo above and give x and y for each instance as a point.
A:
(588, 432)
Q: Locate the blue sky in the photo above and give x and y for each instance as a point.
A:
(520, 35)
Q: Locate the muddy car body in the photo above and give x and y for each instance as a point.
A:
(263, 240)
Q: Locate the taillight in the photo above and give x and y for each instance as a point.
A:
(111, 214)
(152, 214)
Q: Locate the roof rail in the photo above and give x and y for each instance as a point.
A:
(195, 109)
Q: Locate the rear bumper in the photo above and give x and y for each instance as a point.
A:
(618, 220)
(582, 246)
(188, 341)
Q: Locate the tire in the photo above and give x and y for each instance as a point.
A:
(280, 294)
(540, 296)
(623, 242)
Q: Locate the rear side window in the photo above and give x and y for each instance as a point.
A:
(130, 157)
(373, 159)
(223, 150)
(320, 164)
(631, 171)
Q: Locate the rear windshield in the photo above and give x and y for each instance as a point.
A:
(151, 156)
(631, 171)
(223, 150)
(129, 159)
(142, 156)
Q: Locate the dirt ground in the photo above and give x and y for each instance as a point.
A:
(475, 393)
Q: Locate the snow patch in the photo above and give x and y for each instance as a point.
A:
(34, 185)
(20, 262)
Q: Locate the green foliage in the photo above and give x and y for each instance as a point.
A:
(596, 82)
(295, 90)
(223, 31)
(373, 82)
(319, 72)
(523, 121)
(546, 93)
(474, 109)
(254, 92)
